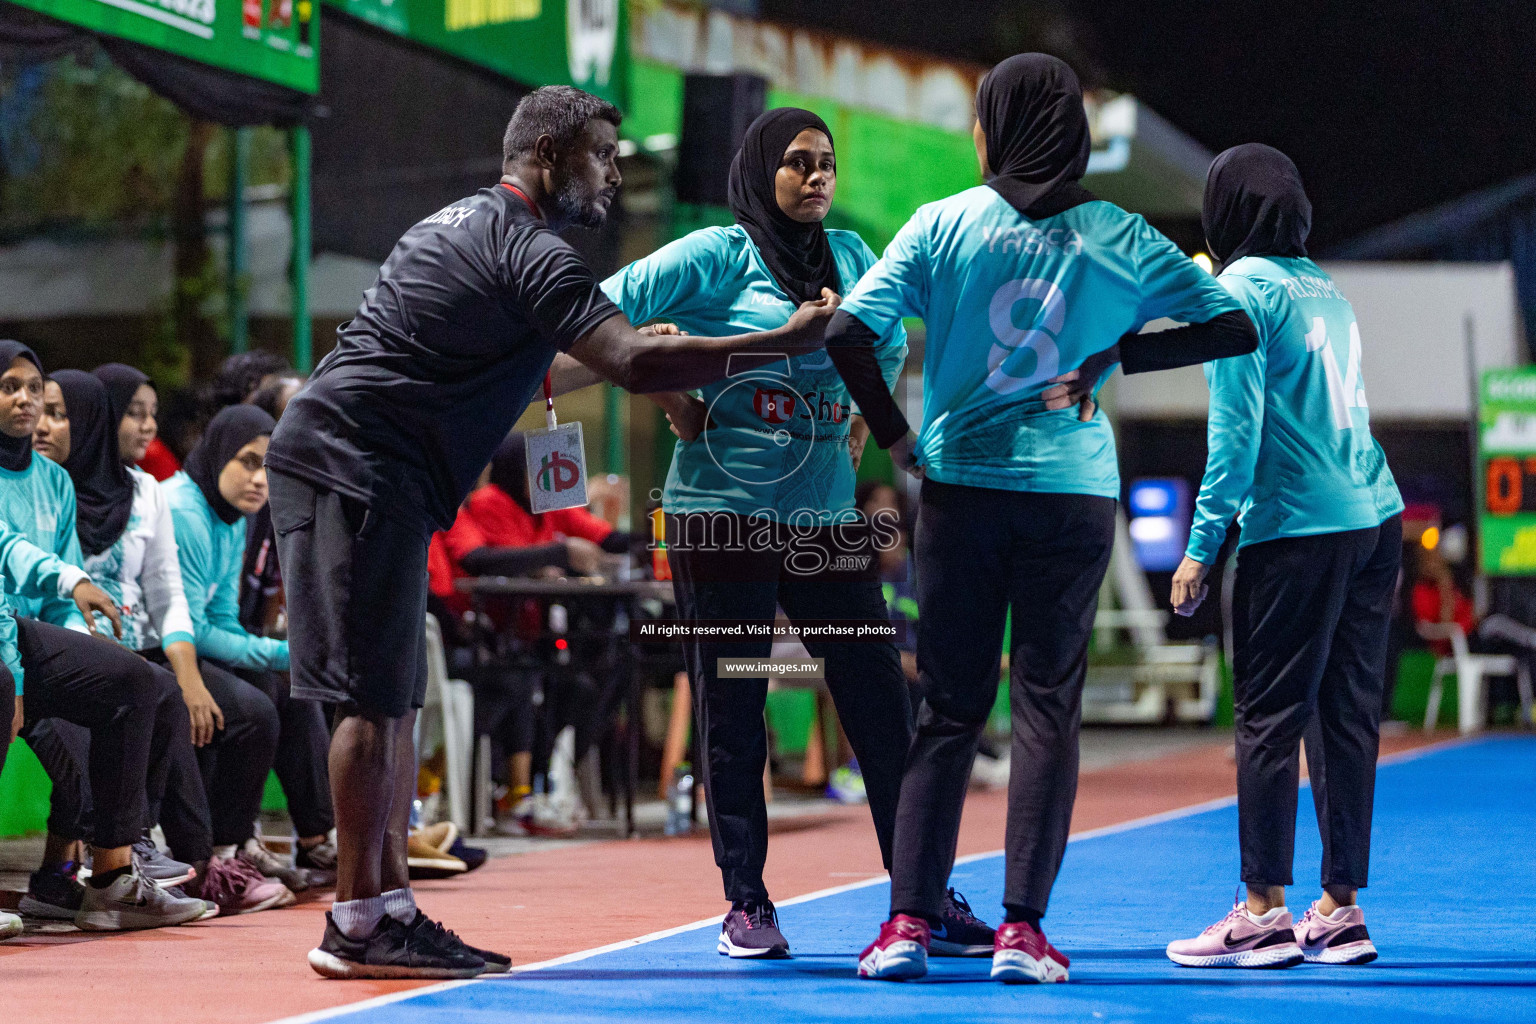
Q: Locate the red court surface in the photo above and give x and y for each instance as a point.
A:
(535, 906)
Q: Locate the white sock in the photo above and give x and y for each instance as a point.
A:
(400, 904)
(358, 918)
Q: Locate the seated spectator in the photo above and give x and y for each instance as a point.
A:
(223, 481)
(1437, 600)
(63, 673)
(497, 533)
(261, 582)
(10, 924)
(241, 375)
(124, 531)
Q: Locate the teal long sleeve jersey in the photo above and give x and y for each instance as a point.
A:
(777, 446)
(210, 551)
(1291, 451)
(1009, 303)
(37, 510)
(9, 655)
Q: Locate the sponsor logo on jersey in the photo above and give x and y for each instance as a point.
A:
(773, 406)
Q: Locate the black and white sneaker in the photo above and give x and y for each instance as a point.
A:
(393, 950)
(495, 963)
(751, 930)
(53, 894)
(318, 862)
(960, 932)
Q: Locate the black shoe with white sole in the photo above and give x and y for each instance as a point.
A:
(495, 963)
(959, 931)
(751, 931)
(53, 894)
(393, 950)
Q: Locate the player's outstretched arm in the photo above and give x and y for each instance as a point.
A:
(644, 363)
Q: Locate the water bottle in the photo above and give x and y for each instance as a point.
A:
(680, 801)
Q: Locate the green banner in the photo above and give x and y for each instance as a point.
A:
(1506, 448)
(275, 40)
(537, 42)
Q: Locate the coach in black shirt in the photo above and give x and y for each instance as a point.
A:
(378, 450)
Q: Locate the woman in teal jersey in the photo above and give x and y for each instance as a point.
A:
(224, 481)
(1293, 460)
(761, 501)
(1030, 289)
(68, 675)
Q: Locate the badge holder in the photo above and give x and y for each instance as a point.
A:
(557, 462)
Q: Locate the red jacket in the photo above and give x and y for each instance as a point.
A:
(1426, 608)
(490, 518)
(158, 461)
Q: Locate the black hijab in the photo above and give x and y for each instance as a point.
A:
(122, 383)
(103, 488)
(16, 452)
(1031, 108)
(1255, 205)
(232, 429)
(509, 469)
(798, 255)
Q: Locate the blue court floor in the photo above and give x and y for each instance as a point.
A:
(1452, 908)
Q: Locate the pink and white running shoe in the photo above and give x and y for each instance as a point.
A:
(1337, 938)
(900, 953)
(1021, 955)
(1241, 939)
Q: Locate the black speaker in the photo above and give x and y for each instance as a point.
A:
(716, 112)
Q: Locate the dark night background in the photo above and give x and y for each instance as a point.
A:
(1386, 107)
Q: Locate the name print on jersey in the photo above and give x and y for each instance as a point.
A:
(453, 216)
(1303, 286)
(1030, 239)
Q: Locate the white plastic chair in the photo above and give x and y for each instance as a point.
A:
(1472, 672)
(450, 710)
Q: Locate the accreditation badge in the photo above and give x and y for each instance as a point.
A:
(557, 468)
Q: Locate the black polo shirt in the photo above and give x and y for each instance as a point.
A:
(448, 348)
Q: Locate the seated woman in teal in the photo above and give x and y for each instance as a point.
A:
(223, 482)
(759, 503)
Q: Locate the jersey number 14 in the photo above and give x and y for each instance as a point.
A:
(1346, 392)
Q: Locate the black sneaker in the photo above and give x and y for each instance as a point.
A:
(960, 932)
(495, 963)
(53, 894)
(393, 950)
(318, 862)
(751, 929)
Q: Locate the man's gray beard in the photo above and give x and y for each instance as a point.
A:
(578, 207)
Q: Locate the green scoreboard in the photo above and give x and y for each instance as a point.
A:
(1506, 451)
(537, 42)
(274, 40)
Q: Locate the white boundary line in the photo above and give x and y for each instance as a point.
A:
(666, 933)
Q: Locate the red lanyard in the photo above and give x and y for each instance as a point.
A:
(524, 197)
(549, 388)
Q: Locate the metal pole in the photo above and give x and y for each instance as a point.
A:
(303, 353)
(613, 429)
(236, 283)
(1474, 521)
